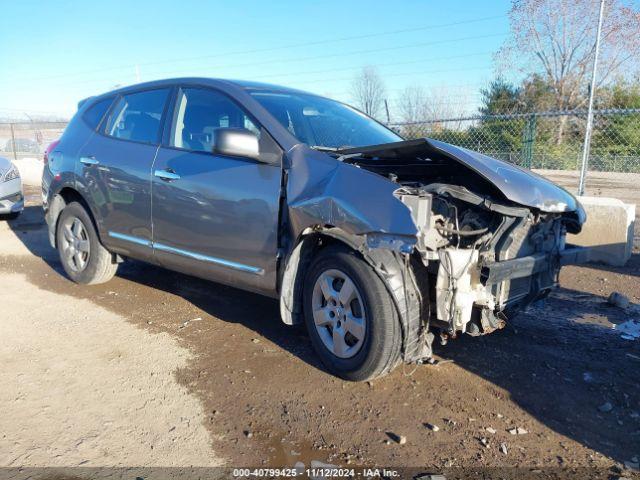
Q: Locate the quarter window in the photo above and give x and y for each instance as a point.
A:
(137, 116)
(199, 113)
(93, 115)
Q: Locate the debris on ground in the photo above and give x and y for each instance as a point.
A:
(490, 430)
(618, 299)
(400, 439)
(317, 465)
(484, 442)
(184, 324)
(432, 427)
(517, 431)
(630, 329)
(503, 448)
(429, 476)
(631, 465)
(605, 407)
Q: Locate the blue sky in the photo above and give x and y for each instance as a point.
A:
(56, 53)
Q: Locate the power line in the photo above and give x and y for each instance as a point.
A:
(355, 52)
(422, 60)
(424, 72)
(332, 55)
(282, 47)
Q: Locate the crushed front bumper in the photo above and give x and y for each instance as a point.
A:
(531, 265)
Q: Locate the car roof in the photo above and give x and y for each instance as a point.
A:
(206, 81)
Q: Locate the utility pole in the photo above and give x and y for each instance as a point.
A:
(592, 90)
(386, 107)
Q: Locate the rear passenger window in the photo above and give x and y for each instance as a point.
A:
(199, 112)
(95, 112)
(137, 116)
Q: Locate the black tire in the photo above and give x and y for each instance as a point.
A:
(10, 216)
(380, 350)
(97, 265)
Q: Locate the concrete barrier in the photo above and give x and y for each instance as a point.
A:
(608, 230)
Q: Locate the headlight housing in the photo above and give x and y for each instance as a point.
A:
(12, 174)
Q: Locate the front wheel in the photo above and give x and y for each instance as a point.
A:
(82, 255)
(350, 316)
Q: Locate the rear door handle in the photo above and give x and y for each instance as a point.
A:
(91, 160)
(167, 175)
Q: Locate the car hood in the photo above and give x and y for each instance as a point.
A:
(516, 184)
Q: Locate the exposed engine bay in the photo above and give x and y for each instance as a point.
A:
(485, 257)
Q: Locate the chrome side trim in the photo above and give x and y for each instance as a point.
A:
(186, 253)
(129, 238)
(206, 258)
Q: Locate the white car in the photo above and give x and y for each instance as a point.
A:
(11, 198)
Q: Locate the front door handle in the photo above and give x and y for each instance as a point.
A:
(91, 160)
(167, 175)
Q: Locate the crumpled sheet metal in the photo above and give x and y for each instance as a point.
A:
(516, 184)
(323, 191)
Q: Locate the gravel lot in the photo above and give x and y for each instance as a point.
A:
(207, 374)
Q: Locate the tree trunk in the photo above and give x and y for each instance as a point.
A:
(562, 126)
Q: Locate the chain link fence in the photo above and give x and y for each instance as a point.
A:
(20, 140)
(542, 140)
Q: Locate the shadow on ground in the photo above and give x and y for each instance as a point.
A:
(559, 362)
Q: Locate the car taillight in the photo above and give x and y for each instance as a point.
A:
(49, 149)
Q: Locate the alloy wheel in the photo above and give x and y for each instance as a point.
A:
(338, 313)
(75, 244)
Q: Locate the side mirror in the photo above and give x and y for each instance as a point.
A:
(236, 142)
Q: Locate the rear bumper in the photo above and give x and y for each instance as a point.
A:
(497, 272)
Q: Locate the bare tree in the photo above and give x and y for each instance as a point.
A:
(556, 39)
(424, 111)
(412, 104)
(415, 104)
(369, 92)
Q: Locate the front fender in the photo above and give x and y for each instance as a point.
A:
(324, 191)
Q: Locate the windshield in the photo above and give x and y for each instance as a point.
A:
(320, 122)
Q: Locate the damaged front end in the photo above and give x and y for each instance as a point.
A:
(462, 241)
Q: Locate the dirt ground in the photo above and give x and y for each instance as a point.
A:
(153, 350)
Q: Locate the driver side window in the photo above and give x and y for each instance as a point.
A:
(199, 112)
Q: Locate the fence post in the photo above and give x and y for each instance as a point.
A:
(13, 142)
(529, 135)
(592, 92)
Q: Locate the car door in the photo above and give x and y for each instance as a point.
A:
(215, 216)
(114, 170)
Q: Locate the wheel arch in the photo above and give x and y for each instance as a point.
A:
(61, 199)
(391, 267)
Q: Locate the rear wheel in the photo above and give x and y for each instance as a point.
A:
(350, 316)
(82, 255)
